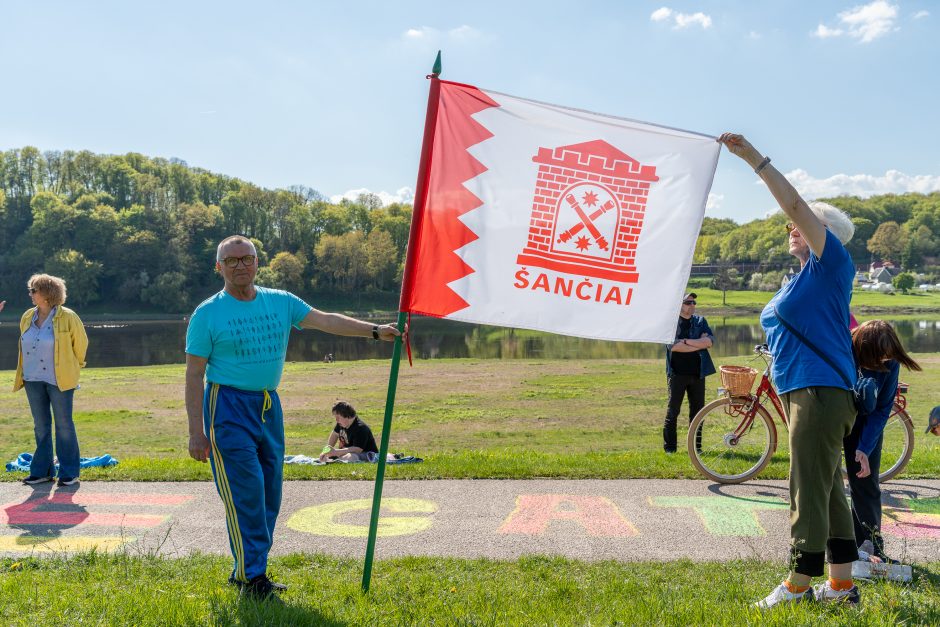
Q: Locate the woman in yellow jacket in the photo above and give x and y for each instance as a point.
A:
(51, 351)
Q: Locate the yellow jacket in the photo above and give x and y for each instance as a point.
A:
(71, 343)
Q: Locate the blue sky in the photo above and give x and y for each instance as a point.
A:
(843, 96)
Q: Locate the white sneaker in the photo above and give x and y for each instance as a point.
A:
(782, 594)
(33, 480)
(825, 593)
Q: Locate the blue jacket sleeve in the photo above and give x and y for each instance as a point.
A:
(708, 330)
(874, 423)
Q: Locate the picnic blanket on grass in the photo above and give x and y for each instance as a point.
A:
(393, 458)
(23, 460)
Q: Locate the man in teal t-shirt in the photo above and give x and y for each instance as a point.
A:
(235, 349)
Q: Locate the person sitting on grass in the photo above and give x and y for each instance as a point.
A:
(351, 439)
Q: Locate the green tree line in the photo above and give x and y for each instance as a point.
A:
(902, 228)
(139, 233)
(131, 232)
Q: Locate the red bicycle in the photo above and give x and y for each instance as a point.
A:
(734, 437)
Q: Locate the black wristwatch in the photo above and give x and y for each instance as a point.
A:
(375, 332)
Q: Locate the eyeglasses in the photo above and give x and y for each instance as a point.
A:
(688, 302)
(232, 262)
(31, 290)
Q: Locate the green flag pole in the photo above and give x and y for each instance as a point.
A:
(383, 452)
(407, 282)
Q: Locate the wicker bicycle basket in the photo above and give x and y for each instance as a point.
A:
(738, 380)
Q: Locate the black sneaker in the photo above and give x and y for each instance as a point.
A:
(33, 480)
(241, 584)
(66, 481)
(261, 588)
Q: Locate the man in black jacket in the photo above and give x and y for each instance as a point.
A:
(687, 365)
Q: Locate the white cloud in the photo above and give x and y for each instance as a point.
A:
(753, 35)
(870, 21)
(862, 185)
(461, 34)
(824, 32)
(403, 194)
(921, 15)
(419, 33)
(684, 20)
(865, 23)
(661, 14)
(681, 20)
(714, 201)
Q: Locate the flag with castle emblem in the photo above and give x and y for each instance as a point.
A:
(537, 216)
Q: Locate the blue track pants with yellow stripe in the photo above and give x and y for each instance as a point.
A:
(246, 434)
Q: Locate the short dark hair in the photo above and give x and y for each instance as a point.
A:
(344, 409)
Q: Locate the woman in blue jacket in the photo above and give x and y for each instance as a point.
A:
(880, 355)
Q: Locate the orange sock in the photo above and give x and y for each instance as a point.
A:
(840, 584)
(795, 589)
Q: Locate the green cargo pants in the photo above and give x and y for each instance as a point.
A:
(820, 516)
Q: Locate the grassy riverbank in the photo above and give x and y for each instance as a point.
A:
(97, 588)
(466, 418)
(740, 302)
(864, 303)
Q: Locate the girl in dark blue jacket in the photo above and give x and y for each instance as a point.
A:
(880, 355)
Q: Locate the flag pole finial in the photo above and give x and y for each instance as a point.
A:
(436, 70)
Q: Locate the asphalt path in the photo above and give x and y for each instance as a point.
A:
(590, 520)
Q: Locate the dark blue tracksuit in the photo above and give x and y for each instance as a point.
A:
(246, 434)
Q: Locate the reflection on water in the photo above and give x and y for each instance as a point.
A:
(149, 343)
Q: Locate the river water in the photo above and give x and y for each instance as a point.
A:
(163, 342)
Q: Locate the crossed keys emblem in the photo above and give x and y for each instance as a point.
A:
(587, 221)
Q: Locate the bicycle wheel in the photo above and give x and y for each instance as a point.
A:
(714, 450)
(897, 446)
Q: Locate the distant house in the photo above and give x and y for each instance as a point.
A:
(787, 277)
(884, 274)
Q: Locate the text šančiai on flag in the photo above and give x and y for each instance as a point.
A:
(542, 217)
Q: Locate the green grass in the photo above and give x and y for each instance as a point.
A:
(144, 590)
(466, 418)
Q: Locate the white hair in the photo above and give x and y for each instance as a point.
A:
(233, 239)
(835, 219)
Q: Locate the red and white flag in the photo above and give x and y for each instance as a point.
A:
(542, 217)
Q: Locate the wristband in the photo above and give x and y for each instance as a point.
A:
(375, 332)
(761, 165)
(326, 449)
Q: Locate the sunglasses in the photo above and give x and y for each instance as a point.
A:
(688, 302)
(232, 262)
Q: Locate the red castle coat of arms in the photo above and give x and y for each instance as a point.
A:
(587, 212)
